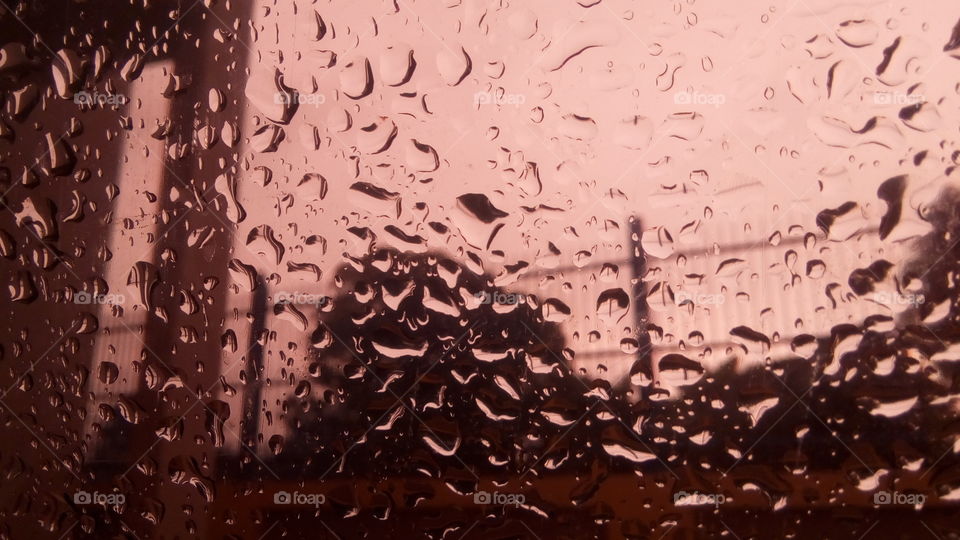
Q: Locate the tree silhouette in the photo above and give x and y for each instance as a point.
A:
(418, 372)
(417, 375)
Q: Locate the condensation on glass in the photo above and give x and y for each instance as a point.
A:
(467, 269)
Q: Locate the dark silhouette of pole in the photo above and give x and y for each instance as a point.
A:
(250, 418)
(641, 312)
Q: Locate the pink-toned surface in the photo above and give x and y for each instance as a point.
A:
(594, 253)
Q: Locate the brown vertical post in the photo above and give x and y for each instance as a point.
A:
(638, 268)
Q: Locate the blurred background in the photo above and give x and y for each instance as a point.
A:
(461, 269)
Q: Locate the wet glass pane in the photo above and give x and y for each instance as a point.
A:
(480, 269)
